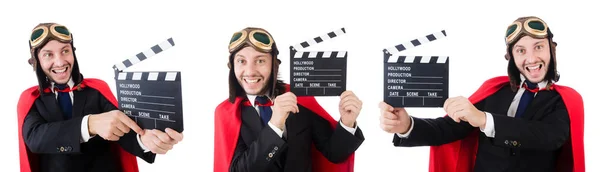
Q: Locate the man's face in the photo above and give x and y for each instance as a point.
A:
(532, 57)
(252, 70)
(56, 60)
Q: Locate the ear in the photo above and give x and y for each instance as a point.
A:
(228, 65)
(278, 62)
(32, 62)
(507, 56)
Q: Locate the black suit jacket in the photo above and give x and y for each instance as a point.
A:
(57, 141)
(260, 149)
(527, 144)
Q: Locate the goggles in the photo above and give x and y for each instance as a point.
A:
(258, 38)
(531, 26)
(44, 32)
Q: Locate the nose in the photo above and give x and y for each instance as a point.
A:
(532, 57)
(250, 69)
(60, 60)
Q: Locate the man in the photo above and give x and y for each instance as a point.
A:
(520, 122)
(288, 134)
(72, 124)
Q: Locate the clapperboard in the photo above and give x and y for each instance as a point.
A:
(318, 73)
(152, 99)
(415, 81)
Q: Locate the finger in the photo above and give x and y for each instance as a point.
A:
(349, 101)
(112, 137)
(347, 94)
(456, 106)
(457, 116)
(122, 127)
(154, 147)
(391, 116)
(164, 137)
(448, 102)
(352, 108)
(117, 132)
(285, 102)
(387, 128)
(174, 135)
(288, 96)
(131, 124)
(296, 107)
(385, 106)
(290, 109)
(391, 122)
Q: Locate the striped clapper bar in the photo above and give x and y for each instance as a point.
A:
(415, 81)
(318, 73)
(152, 99)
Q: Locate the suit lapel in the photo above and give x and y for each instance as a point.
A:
(536, 105)
(79, 100)
(55, 114)
(251, 119)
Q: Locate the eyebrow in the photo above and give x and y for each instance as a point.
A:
(539, 42)
(264, 56)
(45, 50)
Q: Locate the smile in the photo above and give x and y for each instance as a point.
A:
(534, 67)
(60, 70)
(248, 80)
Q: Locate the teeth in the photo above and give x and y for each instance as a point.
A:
(534, 67)
(60, 70)
(252, 80)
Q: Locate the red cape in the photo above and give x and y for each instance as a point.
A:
(459, 156)
(29, 160)
(228, 121)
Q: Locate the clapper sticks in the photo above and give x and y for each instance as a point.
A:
(152, 99)
(318, 73)
(415, 81)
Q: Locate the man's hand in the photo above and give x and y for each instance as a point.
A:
(282, 107)
(111, 125)
(393, 120)
(460, 108)
(350, 107)
(160, 142)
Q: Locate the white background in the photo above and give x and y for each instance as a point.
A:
(106, 33)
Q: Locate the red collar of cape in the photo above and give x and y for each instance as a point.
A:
(29, 161)
(227, 129)
(459, 156)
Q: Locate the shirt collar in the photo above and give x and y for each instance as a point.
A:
(540, 84)
(252, 98)
(70, 83)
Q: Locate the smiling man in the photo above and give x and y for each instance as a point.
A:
(71, 124)
(265, 127)
(523, 122)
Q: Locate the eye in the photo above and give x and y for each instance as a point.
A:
(66, 51)
(520, 51)
(261, 61)
(46, 55)
(242, 61)
(539, 47)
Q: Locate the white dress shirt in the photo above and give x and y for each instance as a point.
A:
(283, 132)
(85, 134)
(489, 129)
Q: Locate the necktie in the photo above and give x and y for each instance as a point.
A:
(526, 98)
(264, 108)
(64, 99)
